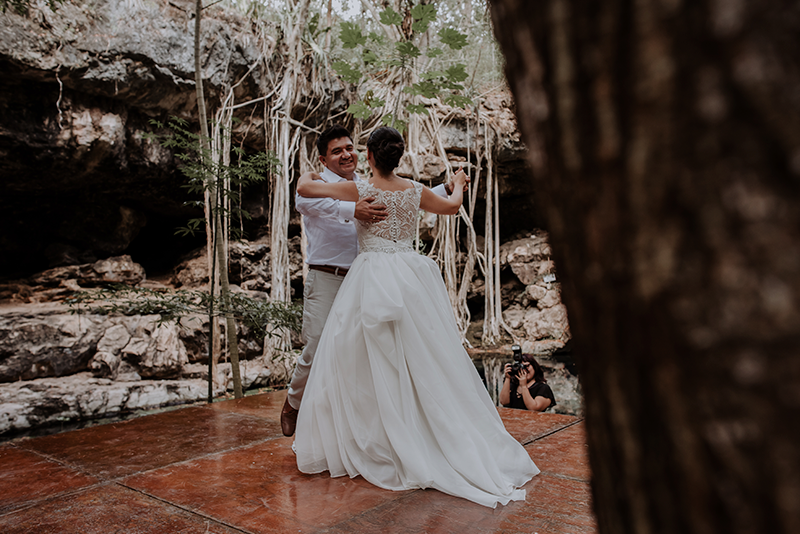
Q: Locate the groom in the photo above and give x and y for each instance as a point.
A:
(332, 247)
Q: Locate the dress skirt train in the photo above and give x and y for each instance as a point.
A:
(394, 397)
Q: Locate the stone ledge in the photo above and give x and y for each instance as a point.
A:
(45, 401)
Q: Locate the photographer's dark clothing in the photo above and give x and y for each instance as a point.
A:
(537, 389)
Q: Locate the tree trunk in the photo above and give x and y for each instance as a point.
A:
(215, 222)
(230, 323)
(329, 25)
(664, 138)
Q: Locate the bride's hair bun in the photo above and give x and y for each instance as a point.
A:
(387, 147)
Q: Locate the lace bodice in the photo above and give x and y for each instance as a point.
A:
(395, 233)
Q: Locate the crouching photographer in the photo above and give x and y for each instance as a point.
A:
(524, 386)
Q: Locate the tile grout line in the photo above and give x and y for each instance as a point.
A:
(64, 464)
(68, 465)
(187, 510)
(114, 479)
(552, 474)
(201, 457)
(542, 436)
(35, 502)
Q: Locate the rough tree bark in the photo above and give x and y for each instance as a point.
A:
(664, 137)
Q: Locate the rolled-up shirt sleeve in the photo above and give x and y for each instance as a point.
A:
(326, 208)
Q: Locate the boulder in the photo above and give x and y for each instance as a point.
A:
(35, 346)
(536, 292)
(115, 270)
(528, 258)
(427, 225)
(114, 339)
(535, 313)
(254, 373)
(566, 387)
(192, 273)
(422, 167)
(249, 266)
(105, 364)
(514, 317)
(57, 343)
(194, 336)
(160, 355)
(551, 298)
(550, 323)
(542, 347)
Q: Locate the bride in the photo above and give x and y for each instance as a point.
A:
(392, 395)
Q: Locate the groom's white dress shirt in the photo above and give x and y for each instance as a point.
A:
(329, 227)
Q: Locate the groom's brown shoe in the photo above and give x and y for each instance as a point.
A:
(288, 418)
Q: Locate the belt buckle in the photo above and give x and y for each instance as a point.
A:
(336, 271)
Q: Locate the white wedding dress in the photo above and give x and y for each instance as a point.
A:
(392, 395)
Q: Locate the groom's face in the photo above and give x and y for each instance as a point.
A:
(341, 157)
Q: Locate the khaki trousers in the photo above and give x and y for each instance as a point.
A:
(318, 295)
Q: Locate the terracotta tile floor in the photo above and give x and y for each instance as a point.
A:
(226, 468)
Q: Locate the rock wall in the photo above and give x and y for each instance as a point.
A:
(535, 314)
(58, 366)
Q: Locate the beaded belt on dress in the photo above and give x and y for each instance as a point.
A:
(338, 271)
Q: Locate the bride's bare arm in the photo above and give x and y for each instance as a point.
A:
(433, 203)
(311, 185)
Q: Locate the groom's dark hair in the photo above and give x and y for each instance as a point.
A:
(334, 132)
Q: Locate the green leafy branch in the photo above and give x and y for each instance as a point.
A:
(351, 35)
(390, 17)
(423, 15)
(197, 165)
(446, 84)
(435, 82)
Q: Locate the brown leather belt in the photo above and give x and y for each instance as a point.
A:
(338, 271)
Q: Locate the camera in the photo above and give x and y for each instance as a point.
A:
(516, 365)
